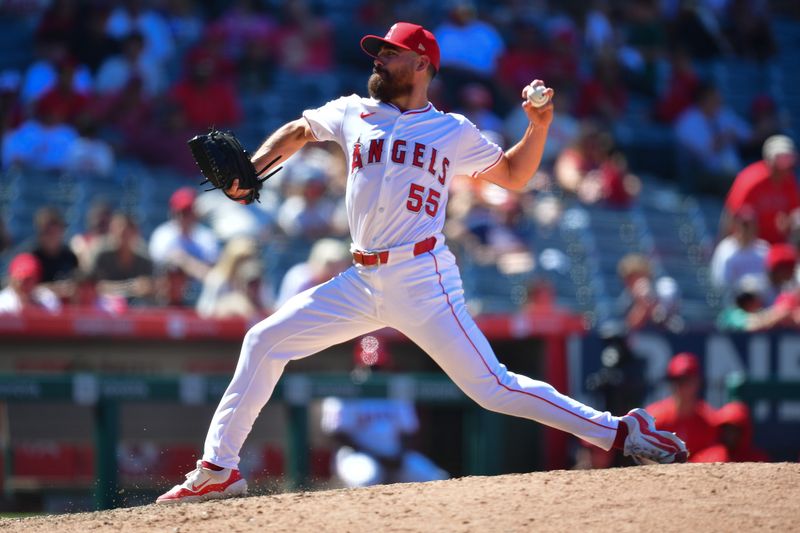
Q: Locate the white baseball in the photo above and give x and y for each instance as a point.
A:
(537, 96)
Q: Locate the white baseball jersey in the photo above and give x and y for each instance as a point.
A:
(401, 165)
(375, 425)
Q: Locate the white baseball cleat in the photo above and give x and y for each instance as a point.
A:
(647, 445)
(205, 484)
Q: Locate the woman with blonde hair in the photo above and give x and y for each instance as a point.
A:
(229, 279)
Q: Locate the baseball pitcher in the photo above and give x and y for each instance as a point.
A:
(402, 154)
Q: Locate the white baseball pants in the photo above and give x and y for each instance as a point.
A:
(421, 297)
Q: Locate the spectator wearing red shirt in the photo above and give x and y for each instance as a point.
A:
(770, 188)
(304, 41)
(206, 100)
(735, 436)
(603, 96)
(678, 95)
(683, 412)
(62, 99)
(782, 294)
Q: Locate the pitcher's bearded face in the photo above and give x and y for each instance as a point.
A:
(386, 86)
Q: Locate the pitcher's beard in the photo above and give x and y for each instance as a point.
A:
(386, 88)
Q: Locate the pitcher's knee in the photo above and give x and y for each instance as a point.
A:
(256, 341)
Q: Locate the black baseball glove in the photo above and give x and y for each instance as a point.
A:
(222, 159)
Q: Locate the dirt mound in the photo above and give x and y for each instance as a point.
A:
(715, 497)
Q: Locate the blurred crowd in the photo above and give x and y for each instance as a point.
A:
(135, 79)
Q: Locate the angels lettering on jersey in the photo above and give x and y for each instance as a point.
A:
(400, 165)
(401, 152)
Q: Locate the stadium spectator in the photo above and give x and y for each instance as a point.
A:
(767, 120)
(781, 268)
(708, 135)
(746, 302)
(89, 155)
(646, 302)
(594, 170)
(527, 53)
(24, 292)
(87, 296)
(41, 75)
(602, 95)
(40, 143)
(484, 222)
(121, 264)
(62, 99)
(136, 16)
(213, 50)
(185, 20)
(304, 40)
(307, 212)
(739, 254)
(598, 29)
(117, 70)
(57, 261)
(477, 103)
(373, 435)
(770, 188)
(327, 258)
(678, 93)
(735, 438)
(781, 295)
(195, 91)
(126, 116)
(182, 241)
(240, 26)
(227, 283)
(467, 43)
(683, 412)
(173, 287)
(84, 245)
(645, 43)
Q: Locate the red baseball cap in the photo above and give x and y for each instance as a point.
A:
(682, 365)
(781, 254)
(182, 199)
(25, 266)
(406, 36)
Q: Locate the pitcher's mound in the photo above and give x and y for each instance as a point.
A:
(693, 498)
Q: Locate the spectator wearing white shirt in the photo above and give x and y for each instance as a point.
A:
(23, 292)
(307, 213)
(88, 154)
(118, 70)
(708, 136)
(182, 241)
(372, 434)
(328, 257)
(739, 254)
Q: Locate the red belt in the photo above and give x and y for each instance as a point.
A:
(382, 257)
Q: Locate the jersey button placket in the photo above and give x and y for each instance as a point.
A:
(383, 187)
